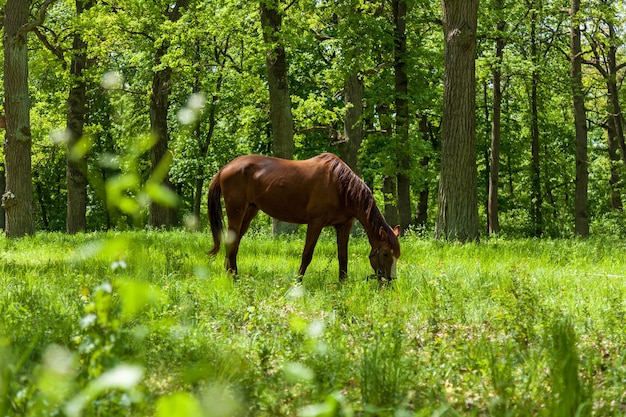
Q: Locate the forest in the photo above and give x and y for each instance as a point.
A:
(132, 107)
(495, 123)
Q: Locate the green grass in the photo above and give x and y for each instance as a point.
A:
(144, 323)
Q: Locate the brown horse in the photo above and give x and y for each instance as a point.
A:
(321, 191)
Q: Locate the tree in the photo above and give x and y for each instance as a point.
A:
(355, 69)
(389, 184)
(162, 215)
(354, 22)
(493, 222)
(76, 164)
(278, 82)
(353, 120)
(402, 113)
(277, 79)
(535, 195)
(421, 210)
(581, 211)
(457, 216)
(604, 44)
(18, 196)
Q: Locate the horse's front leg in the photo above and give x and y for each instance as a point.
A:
(312, 234)
(343, 235)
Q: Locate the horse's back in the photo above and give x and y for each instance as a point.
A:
(259, 166)
(292, 191)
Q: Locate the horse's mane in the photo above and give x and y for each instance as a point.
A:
(356, 193)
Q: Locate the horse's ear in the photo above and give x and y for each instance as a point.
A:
(396, 230)
(382, 234)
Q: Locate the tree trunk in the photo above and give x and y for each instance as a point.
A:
(160, 215)
(615, 130)
(615, 120)
(421, 211)
(389, 188)
(617, 117)
(581, 210)
(353, 121)
(493, 220)
(204, 146)
(457, 216)
(402, 113)
(76, 164)
(3, 185)
(18, 196)
(390, 197)
(535, 194)
(280, 101)
(276, 63)
(615, 183)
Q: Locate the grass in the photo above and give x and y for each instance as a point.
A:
(144, 323)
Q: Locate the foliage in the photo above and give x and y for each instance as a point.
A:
(143, 323)
(215, 53)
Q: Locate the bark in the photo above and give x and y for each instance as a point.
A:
(581, 210)
(204, 148)
(421, 212)
(280, 101)
(162, 216)
(402, 114)
(615, 183)
(457, 216)
(536, 196)
(76, 166)
(608, 68)
(493, 221)
(390, 198)
(3, 185)
(617, 117)
(18, 196)
(389, 188)
(353, 121)
(276, 63)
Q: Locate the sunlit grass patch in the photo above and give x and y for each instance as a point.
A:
(471, 329)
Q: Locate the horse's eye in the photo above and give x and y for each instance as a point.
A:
(385, 254)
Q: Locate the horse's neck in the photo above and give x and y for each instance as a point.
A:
(369, 223)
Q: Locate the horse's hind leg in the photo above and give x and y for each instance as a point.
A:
(238, 224)
(312, 234)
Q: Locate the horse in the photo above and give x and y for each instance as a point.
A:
(319, 192)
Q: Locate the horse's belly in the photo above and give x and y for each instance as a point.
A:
(293, 210)
(285, 211)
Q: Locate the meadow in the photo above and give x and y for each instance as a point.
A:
(146, 324)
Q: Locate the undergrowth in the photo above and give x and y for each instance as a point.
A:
(145, 323)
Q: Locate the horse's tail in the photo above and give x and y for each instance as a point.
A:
(215, 213)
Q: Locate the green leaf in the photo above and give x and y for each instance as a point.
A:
(297, 372)
(180, 404)
(123, 377)
(161, 194)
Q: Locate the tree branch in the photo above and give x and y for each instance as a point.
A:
(289, 5)
(378, 68)
(41, 17)
(620, 66)
(56, 50)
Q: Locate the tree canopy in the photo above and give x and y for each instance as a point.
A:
(208, 59)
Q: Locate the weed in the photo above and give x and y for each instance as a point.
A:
(571, 395)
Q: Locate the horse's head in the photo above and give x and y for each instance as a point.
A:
(385, 253)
